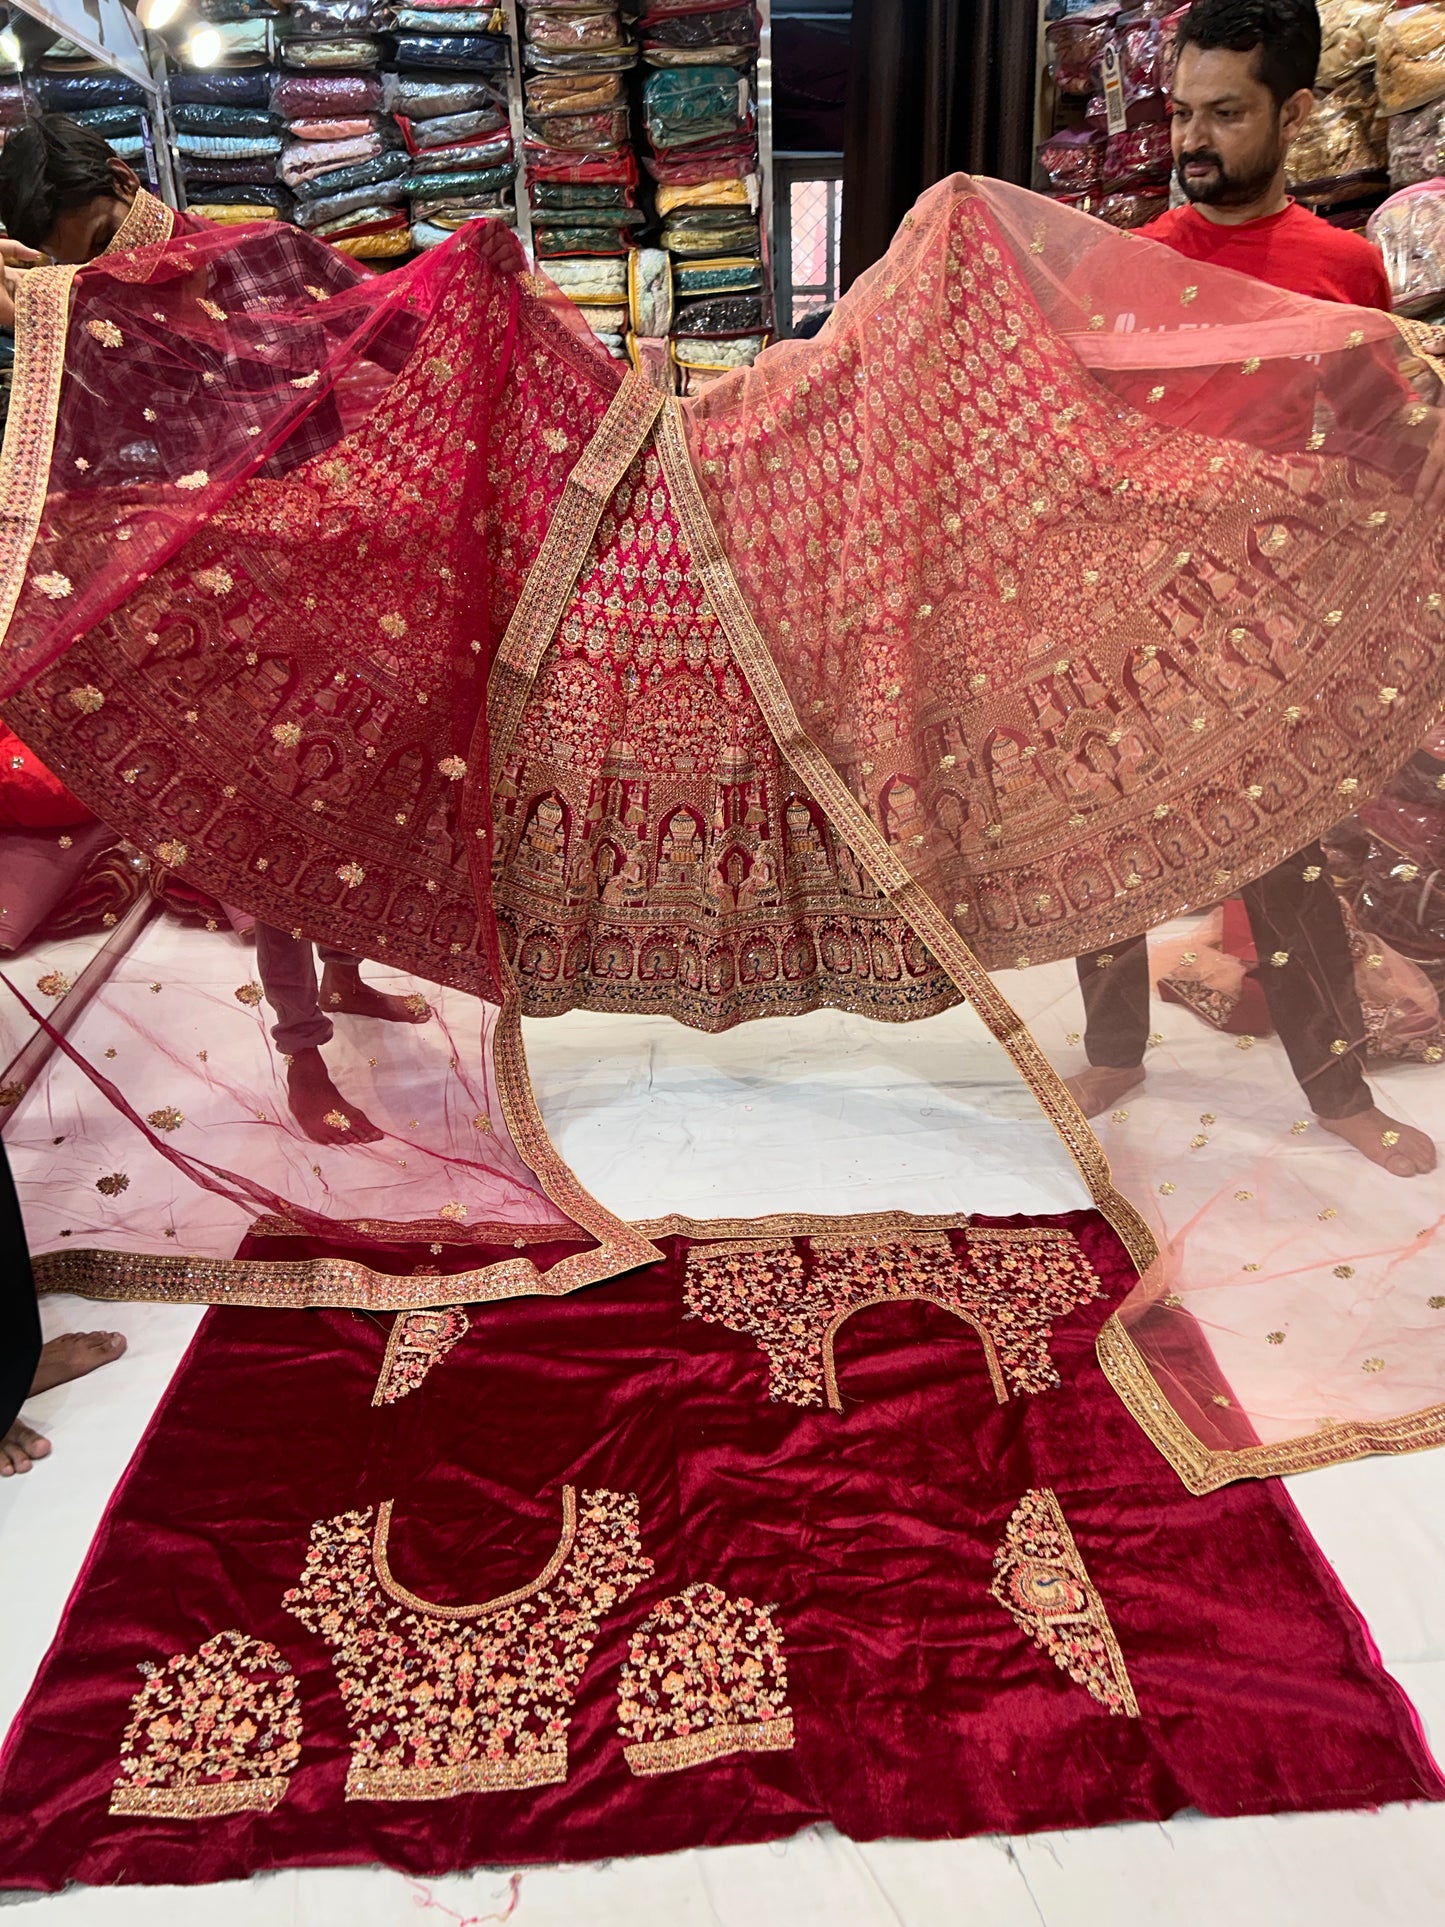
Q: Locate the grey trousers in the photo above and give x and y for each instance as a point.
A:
(287, 967)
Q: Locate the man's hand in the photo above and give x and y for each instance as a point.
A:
(13, 255)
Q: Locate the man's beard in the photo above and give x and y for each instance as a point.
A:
(1221, 188)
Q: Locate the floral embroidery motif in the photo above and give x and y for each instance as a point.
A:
(1043, 1585)
(106, 333)
(54, 586)
(445, 1700)
(705, 1677)
(1008, 1285)
(211, 1732)
(419, 1340)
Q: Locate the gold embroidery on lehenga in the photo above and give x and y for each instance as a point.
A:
(705, 1676)
(1009, 1286)
(212, 1732)
(1043, 1585)
(445, 1700)
(419, 1340)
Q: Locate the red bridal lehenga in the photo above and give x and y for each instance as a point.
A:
(1059, 591)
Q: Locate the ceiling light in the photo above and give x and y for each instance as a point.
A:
(203, 49)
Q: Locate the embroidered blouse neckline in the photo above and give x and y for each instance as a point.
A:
(549, 1572)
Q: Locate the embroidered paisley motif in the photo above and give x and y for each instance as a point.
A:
(1042, 1584)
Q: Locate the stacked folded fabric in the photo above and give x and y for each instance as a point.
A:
(582, 176)
(340, 153)
(449, 96)
(71, 82)
(698, 116)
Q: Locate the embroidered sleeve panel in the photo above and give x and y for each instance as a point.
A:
(212, 1732)
(444, 1701)
(419, 1340)
(705, 1677)
(1008, 1285)
(1043, 1585)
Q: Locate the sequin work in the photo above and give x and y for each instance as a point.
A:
(445, 1700)
(1043, 1585)
(705, 1677)
(212, 1732)
(1008, 1285)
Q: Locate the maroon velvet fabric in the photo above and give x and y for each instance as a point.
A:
(920, 1707)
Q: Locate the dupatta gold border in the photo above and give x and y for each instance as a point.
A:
(862, 836)
(42, 312)
(1203, 1468)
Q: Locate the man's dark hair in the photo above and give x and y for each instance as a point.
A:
(1283, 35)
(49, 165)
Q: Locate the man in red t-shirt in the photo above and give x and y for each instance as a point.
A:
(1242, 90)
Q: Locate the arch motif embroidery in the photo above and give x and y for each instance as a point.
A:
(1008, 1285)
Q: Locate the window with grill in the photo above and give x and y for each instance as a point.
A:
(807, 230)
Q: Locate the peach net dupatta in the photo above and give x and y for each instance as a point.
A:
(1086, 587)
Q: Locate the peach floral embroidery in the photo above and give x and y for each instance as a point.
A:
(445, 1700)
(705, 1677)
(419, 1340)
(1043, 1585)
(1008, 1285)
(211, 1732)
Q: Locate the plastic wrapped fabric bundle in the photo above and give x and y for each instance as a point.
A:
(226, 147)
(347, 180)
(554, 197)
(304, 160)
(235, 213)
(738, 193)
(715, 27)
(336, 19)
(1417, 145)
(331, 207)
(738, 352)
(453, 211)
(1344, 138)
(1348, 30)
(463, 157)
(362, 220)
(479, 181)
(552, 241)
(334, 130)
(1139, 157)
(549, 94)
(17, 103)
(696, 56)
(110, 120)
(223, 13)
(583, 133)
(207, 174)
(617, 220)
(591, 280)
(419, 97)
(212, 87)
(649, 292)
(1410, 57)
(448, 129)
(244, 43)
(687, 237)
(715, 277)
(241, 122)
(720, 314)
(1133, 208)
(319, 56)
(393, 245)
(470, 52)
(681, 107)
(461, 20)
(128, 147)
(1409, 230)
(240, 193)
(64, 93)
(618, 60)
(298, 97)
(590, 30)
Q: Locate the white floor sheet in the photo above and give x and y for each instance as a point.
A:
(829, 1114)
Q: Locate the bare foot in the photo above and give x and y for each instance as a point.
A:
(1397, 1148)
(19, 1449)
(62, 1359)
(73, 1355)
(1102, 1085)
(320, 1109)
(342, 989)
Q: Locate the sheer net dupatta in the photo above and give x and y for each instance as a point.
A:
(258, 534)
(1088, 587)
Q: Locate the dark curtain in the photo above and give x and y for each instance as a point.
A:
(810, 84)
(19, 1313)
(936, 87)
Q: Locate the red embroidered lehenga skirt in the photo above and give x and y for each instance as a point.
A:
(1060, 589)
